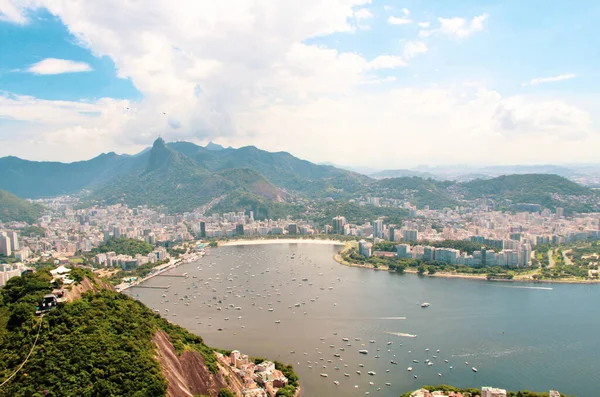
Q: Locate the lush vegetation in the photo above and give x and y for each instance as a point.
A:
(547, 190)
(262, 207)
(288, 371)
(472, 392)
(172, 179)
(124, 246)
(29, 231)
(99, 345)
(13, 208)
(418, 191)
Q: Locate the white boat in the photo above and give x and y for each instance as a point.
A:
(336, 382)
(347, 375)
(474, 369)
(324, 375)
(372, 373)
(409, 369)
(425, 304)
(363, 351)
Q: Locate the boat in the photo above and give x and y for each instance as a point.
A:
(324, 375)
(277, 321)
(371, 341)
(415, 361)
(335, 382)
(425, 304)
(393, 362)
(358, 372)
(347, 375)
(415, 376)
(361, 365)
(474, 369)
(439, 374)
(389, 343)
(409, 369)
(363, 351)
(372, 373)
(388, 384)
(336, 355)
(345, 339)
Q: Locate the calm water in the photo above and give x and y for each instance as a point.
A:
(518, 336)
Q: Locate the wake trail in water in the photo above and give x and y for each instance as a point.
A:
(524, 287)
(401, 334)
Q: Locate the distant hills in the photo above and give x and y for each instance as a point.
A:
(183, 176)
(13, 208)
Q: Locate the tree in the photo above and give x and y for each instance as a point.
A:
(225, 393)
(421, 270)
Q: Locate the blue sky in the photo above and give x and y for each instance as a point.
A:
(475, 81)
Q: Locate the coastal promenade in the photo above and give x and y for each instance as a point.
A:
(160, 269)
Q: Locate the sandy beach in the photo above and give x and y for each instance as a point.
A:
(280, 241)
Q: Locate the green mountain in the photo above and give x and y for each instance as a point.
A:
(173, 179)
(547, 190)
(280, 168)
(418, 191)
(13, 208)
(35, 179)
(102, 344)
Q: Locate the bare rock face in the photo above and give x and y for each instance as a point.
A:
(187, 374)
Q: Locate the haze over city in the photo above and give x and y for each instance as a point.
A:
(384, 84)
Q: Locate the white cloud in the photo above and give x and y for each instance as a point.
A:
(58, 66)
(406, 11)
(11, 13)
(388, 8)
(386, 62)
(399, 20)
(362, 13)
(413, 48)
(542, 80)
(241, 72)
(424, 24)
(457, 27)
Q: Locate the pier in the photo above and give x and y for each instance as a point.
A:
(171, 275)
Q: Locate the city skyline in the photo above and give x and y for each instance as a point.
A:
(475, 82)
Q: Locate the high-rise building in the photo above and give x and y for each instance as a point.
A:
(338, 224)
(378, 228)
(403, 251)
(560, 212)
(392, 232)
(239, 229)
(202, 229)
(5, 247)
(364, 248)
(14, 241)
(429, 254)
(410, 235)
(292, 228)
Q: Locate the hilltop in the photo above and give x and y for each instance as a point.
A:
(103, 343)
(13, 208)
(182, 176)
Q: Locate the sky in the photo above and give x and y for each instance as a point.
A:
(385, 84)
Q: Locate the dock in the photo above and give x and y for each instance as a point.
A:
(171, 275)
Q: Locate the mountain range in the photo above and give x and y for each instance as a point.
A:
(183, 176)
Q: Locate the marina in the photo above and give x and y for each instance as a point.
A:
(323, 331)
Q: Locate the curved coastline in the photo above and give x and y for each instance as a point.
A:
(338, 258)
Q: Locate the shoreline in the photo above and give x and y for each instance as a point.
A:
(483, 277)
(279, 241)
